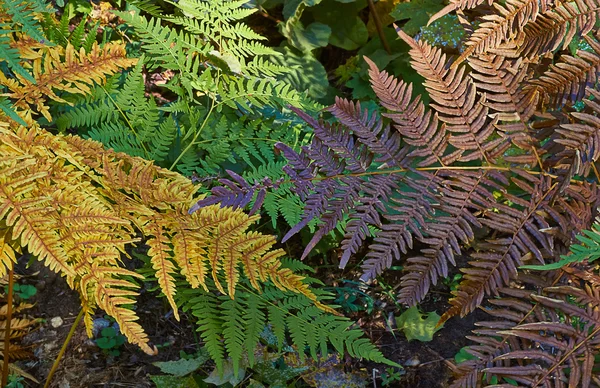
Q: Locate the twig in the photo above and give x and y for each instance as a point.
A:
(64, 348)
(379, 27)
(7, 328)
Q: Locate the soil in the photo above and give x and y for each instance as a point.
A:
(86, 365)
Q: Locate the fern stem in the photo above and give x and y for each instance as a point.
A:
(567, 355)
(198, 132)
(146, 152)
(438, 168)
(63, 348)
(9, 305)
(379, 27)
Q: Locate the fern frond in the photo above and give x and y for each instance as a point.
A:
(164, 45)
(457, 104)
(464, 193)
(224, 331)
(567, 79)
(76, 74)
(553, 346)
(504, 81)
(510, 18)
(556, 28)
(498, 260)
(23, 13)
(76, 206)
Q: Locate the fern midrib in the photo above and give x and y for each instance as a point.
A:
(457, 103)
(491, 271)
(450, 228)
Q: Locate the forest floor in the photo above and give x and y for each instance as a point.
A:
(86, 365)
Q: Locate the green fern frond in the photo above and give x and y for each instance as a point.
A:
(165, 46)
(23, 14)
(11, 55)
(225, 327)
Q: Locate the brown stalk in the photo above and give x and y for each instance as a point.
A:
(7, 328)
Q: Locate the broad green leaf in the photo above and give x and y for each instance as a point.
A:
(174, 382)
(309, 74)
(463, 356)
(182, 367)
(348, 31)
(417, 12)
(226, 375)
(306, 39)
(414, 326)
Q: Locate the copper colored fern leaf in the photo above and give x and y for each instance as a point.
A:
(407, 218)
(463, 193)
(418, 128)
(502, 79)
(521, 240)
(582, 140)
(567, 80)
(556, 28)
(457, 103)
(494, 29)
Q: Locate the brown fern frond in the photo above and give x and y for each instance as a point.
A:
(463, 193)
(556, 28)
(456, 101)
(65, 70)
(515, 306)
(407, 219)
(502, 79)
(567, 80)
(581, 140)
(498, 259)
(418, 128)
(497, 28)
(562, 341)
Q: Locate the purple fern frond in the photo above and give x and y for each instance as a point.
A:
(236, 193)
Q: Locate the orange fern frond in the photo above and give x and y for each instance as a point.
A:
(63, 69)
(78, 206)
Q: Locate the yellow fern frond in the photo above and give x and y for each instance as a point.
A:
(7, 252)
(62, 69)
(77, 207)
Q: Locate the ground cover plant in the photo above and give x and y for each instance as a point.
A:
(142, 141)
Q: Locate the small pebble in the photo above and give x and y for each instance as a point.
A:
(412, 362)
(56, 322)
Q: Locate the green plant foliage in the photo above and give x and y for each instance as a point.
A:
(417, 12)
(226, 109)
(417, 325)
(110, 340)
(24, 291)
(166, 381)
(184, 366)
(589, 250)
(232, 328)
(390, 376)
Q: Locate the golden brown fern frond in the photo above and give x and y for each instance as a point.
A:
(457, 103)
(566, 80)
(78, 206)
(62, 69)
(503, 26)
(556, 28)
(502, 79)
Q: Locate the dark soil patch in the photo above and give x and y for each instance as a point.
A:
(86, 365)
